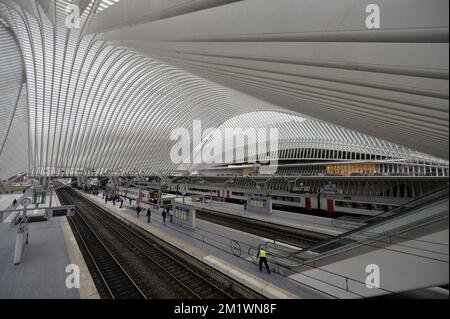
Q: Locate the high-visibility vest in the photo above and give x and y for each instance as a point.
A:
(262, 253)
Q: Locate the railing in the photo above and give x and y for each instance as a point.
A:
(421, 201)
(350, 222)
(278, 248)
(335, 282)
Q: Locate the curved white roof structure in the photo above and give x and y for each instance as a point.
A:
(107, 96)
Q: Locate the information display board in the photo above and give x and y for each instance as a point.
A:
(259, 204)
(184, 215)
(166, 202)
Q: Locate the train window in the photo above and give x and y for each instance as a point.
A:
(348, 204)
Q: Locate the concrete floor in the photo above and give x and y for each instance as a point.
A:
(42, 273)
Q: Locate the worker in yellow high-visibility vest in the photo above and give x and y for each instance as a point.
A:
(262, 255)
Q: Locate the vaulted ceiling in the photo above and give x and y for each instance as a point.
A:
(106, 96)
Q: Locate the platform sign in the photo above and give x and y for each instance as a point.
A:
(259, 204)
(184, 215)
(329, 190)
(166, 202)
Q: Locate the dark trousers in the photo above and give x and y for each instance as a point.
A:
(263, 260)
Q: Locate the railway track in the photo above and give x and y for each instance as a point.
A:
(113, 280)
(290, 235)
(132, 258)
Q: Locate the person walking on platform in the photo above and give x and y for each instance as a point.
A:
(14, 203)
(106, 199)
(121, 202)
(149, 214)
(164, 215)
(138, 210)
(262, 255)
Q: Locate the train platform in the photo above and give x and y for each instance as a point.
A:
(42, 271)
(229, 251)
(6, 204)
(302, 221)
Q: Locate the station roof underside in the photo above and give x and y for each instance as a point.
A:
(108, 95)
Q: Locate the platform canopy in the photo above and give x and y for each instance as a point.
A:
(107, 96)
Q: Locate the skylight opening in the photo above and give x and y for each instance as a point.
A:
(106, 4)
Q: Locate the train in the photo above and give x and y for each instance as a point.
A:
(321, 204)
(144, 196)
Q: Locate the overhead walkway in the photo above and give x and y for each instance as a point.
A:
(403, 243)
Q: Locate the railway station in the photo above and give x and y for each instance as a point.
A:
(224, 149)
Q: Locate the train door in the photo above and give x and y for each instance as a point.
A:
(330, 206)
(308, 203)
